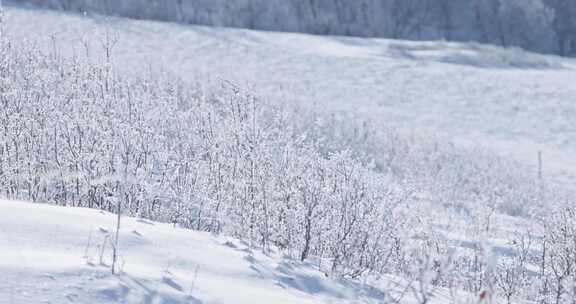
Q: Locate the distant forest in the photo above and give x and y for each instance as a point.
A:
(547, 26)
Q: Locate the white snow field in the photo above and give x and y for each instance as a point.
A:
(508, 101)
(51, 254)
(513, 102)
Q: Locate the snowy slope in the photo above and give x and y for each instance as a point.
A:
(51, 254)
(513, 102)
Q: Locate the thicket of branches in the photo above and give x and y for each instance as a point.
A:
(355, 199)
(538, 25)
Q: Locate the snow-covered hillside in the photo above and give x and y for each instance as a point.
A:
(513, 102)
(371, 160)
(59, 255)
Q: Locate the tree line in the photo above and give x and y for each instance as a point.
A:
(547, 26)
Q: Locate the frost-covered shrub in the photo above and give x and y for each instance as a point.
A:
(320, 187)
(220, 160)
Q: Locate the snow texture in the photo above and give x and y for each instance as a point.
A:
(504, 100)
(52, 254)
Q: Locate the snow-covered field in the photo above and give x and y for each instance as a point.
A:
(506, 101)
(513, 102)
(52, 254)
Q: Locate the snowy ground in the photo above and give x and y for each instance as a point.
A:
(51, 254)
(512, 102)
